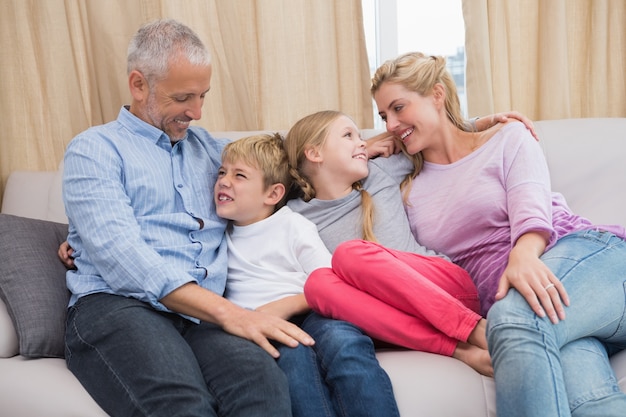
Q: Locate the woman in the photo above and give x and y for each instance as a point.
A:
(484, 199)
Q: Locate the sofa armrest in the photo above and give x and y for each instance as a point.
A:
(8, 336)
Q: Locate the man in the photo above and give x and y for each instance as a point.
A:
(148, 329)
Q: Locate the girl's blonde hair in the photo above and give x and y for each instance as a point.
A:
(420, 73)
(312, 132)
(266, 153)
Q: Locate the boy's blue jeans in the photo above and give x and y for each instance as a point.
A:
(542, 369)
(339, 375)
(136, 361)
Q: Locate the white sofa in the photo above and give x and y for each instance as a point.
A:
(587, 158)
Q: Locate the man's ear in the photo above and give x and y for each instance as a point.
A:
(138, 86)
(274, 194)
(313, 154)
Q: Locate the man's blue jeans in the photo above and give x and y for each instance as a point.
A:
(136, 361)
(543, 369)
(339, 375)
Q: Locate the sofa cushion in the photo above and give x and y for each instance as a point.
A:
(32, 283)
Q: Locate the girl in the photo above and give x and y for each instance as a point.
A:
(394, 289)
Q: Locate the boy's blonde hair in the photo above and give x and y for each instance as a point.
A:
(311, 132)
(266, 153)
(419, 73)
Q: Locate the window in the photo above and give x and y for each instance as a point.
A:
(393, 27)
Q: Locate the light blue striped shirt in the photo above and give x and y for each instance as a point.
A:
(136, 204)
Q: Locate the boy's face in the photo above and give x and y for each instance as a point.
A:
(240, 194)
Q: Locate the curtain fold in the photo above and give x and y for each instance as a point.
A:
(64, 66)
(548, 59)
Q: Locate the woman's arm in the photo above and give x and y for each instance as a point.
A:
(529, 212)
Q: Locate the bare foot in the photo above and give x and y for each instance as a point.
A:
(478, 336)
(475, 357)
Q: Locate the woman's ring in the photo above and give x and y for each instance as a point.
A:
(547, 287)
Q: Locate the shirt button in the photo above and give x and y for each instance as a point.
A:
(180, 186)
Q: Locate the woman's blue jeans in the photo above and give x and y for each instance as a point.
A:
(136, 361)
(542, 369)
(339, 375)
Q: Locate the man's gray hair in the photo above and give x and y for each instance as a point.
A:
(158, 44)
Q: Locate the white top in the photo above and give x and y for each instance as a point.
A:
(271, 259)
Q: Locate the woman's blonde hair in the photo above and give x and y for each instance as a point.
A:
(266, 153)
(420, 73)
(311, 132)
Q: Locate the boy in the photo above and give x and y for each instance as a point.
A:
(271, 252)
(271, 249)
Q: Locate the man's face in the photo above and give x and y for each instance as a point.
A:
(173, 102)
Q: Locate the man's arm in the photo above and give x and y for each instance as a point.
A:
(257, 327)
(109, 227)
(105, 232)
(195, 301)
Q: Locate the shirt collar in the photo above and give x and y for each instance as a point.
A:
(144, 129)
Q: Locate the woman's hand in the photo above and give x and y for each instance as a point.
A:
(485, 122)
(384, 144)
(525, 272)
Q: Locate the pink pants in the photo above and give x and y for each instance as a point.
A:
(419, 302)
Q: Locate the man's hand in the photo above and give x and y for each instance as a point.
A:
(65, 255)
(260, 327)
(195, 301)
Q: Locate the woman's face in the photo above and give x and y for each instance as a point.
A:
(343, 152)
(412, 118)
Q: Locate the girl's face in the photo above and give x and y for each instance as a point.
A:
(409, 116)
(343, 153)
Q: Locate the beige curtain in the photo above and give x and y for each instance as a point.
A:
(549, 59)
(64, 66)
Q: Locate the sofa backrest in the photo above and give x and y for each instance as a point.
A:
(587, 160)
(35, 194)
